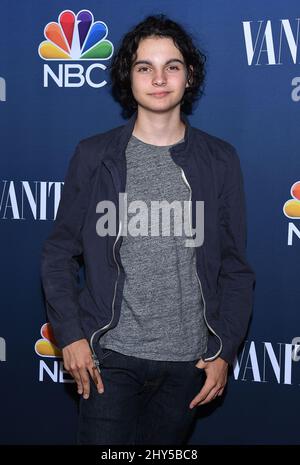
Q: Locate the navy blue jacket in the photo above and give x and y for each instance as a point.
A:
(97, 171)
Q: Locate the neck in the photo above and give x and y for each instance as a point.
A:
(159, 128)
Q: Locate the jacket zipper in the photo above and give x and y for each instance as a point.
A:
(204, 303)
(94, 356)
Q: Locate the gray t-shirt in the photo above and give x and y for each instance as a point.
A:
(162, 309)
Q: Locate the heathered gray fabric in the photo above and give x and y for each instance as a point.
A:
(162, 310)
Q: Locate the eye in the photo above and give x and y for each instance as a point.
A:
(143, 68)
(173, 67)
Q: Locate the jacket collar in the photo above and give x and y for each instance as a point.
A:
(183, 149)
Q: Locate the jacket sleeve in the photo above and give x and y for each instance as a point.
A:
(60, 253)
(236, 278)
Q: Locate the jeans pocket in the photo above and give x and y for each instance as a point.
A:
(103, 353)
(107, 352)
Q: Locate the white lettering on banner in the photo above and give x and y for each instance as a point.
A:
(259, 362)
(54, 372)
(66, 72)
(251, 48)
(2, 349)
(262, 364)
(29, 199)
(2, 90)
(265, 38)
(292, 232)
(261, 47)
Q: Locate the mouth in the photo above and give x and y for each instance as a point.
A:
(159, 94)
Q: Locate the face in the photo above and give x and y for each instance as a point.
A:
(158, 74)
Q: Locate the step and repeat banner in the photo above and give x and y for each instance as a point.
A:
(53, 93)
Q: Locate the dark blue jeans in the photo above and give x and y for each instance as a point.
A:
(144, 402)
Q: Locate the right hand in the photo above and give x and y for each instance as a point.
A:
(78, 361)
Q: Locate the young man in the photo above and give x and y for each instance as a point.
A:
(151, 334)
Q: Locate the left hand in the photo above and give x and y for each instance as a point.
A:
(216, 379)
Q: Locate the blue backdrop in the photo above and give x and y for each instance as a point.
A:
(252, 99)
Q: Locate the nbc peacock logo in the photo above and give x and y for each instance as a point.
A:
(291, 209)
(46, 347)
(75, 37)
(51, 365)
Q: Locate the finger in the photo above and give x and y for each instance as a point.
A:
(69, 370)
(77, 378)
(94, 372)
(206, 389)
(96, 378)
(74, 374)
(210, 397)
(202, 365)
(85, 380)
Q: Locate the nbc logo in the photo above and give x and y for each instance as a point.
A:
(73, 38)
(47, 348)
(291, 209)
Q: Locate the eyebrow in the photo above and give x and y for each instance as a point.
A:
(148, 62)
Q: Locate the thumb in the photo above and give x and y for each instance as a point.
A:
(201, 364)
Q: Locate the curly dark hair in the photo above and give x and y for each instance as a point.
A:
(161, 26)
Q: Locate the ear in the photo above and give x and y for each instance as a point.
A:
(189, 81)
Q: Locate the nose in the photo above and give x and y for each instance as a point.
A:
(159, 78)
